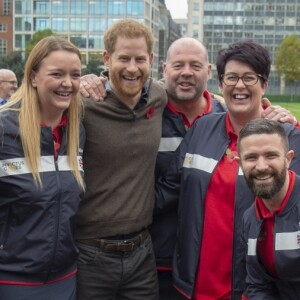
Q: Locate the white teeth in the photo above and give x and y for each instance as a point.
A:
(263, 177)
(63, 94)
(240, 96)
(130, 78)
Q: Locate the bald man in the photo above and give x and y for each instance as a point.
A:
(8, 85)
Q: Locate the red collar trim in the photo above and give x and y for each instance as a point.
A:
(207, 110)
(229, 129)
(62, 122)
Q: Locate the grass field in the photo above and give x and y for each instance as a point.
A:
(293, 107)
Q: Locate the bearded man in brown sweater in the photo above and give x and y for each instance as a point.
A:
(123, 133)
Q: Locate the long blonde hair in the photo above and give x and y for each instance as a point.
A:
(26, 101)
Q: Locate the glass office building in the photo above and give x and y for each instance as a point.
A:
(83, 22)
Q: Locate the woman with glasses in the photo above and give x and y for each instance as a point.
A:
(8, 85)
(209, 259)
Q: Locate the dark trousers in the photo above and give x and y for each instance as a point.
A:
(60, 290)
(117, 275)
(166, 289)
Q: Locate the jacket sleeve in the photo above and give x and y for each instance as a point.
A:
(167, 187)
(258, 287)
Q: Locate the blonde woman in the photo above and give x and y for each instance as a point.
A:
(41, 142)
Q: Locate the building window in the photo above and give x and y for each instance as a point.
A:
(195, 19)
(97, 24)
(98, 7)
(40, 24)
(196, 6)
(23, 24)
(78, 24)
(79, 40)
(6, 8)
(96, 42)
(116, 8)
(23, 7)
(41, 7)
(21, 40)
(60, 25)
(135, 7)
(3, 47)
(3, 27)
(60, 8)
(195, 33)
(78, 7)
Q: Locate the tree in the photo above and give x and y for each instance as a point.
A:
(94, 66)
(36, 37)
(15, 62)
(287, 61)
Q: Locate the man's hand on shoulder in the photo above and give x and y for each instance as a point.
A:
(219, 98)
(92, 86)
(277, 113)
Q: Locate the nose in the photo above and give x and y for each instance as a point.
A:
(261, 164)
(67, 81)
(186, 71)
(132, 67)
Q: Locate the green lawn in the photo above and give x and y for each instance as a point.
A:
(293, 107)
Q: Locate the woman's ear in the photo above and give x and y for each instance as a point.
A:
(33, 79)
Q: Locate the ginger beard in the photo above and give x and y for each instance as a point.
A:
(128, 84)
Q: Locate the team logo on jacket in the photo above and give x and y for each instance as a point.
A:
(188, 160)
(12, 166)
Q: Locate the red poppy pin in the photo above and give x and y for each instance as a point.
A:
(150, 112)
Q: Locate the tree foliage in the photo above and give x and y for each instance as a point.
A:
(36, 37)
(94, 66)
(287, 61)
(15, 62)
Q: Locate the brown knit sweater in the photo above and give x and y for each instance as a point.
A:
(119, 160)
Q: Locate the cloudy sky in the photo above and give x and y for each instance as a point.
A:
(178, 8)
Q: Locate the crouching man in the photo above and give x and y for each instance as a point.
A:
(271, 226)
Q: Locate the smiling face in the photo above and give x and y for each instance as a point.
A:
(186, 70)
(265, 163)
(129, 68)
(57, 82)
(243, 102)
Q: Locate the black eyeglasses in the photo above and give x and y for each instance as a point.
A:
(10, 81)
(231, 79)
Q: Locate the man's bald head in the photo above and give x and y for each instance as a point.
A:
(186, 42)
(8, 83)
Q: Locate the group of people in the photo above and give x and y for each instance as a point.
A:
(162, 190)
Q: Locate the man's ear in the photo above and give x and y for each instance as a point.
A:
(289, 157)
(151, 57)
(106, 58)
